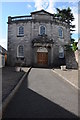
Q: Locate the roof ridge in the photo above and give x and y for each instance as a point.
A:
(42, 10)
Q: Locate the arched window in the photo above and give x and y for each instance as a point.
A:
(21, 30)
(42, 30)
(60, 32)
(61, 52)
(20, 51)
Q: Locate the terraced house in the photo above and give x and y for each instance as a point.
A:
(37, 40)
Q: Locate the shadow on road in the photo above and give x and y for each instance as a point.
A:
(10, 78)
(29, 104)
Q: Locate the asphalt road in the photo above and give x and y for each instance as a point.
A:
(43, 95)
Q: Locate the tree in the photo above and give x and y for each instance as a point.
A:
(74, 46)
(65, 15)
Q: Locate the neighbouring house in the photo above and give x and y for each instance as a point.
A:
(3, 56)
(37, 40)
(79, 45)
(79, 54)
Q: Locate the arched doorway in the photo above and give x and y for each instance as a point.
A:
(42, 56)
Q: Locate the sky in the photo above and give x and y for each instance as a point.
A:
(25, 7)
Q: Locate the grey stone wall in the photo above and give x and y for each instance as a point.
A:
(31, 31)
(71, 60)
(52, 31)
(14, 41)
(42, 16)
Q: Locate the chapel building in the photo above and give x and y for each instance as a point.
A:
(37, 40)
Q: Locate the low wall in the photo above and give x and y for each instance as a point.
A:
(72, 59)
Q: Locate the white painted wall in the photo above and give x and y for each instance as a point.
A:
(79, 44)
(2, 60)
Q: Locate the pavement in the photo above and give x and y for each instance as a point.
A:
(69, 75)
(11, 78)
(43, 94)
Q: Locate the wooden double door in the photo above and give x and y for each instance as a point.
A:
(42, 58)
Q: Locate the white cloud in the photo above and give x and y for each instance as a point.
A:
(3, 42)
(29, 6)
(38, 4)
(51, 6)
(43, 4)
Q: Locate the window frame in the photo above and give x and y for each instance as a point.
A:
(21, 31)
(61, 56)
(40, 29)
(18, 54)
(60, 31)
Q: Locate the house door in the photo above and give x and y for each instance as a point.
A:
(42, 58)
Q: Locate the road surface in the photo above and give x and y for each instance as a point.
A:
(43, 94)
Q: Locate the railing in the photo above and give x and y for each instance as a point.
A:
(29, 17)
(21, 18)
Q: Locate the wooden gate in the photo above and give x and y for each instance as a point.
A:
(42, 58)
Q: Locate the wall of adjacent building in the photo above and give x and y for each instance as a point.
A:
(72, 59)
(2, 60)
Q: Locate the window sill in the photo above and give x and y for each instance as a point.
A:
(20, 58)
(61, 37)
(42, 34)
(20, 35)
(61, 57)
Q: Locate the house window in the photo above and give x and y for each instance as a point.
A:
(60, 32)
(21, 30)
(20, 51)
(42, 30)
(61, 52)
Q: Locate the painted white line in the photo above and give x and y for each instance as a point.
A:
(66, 79)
